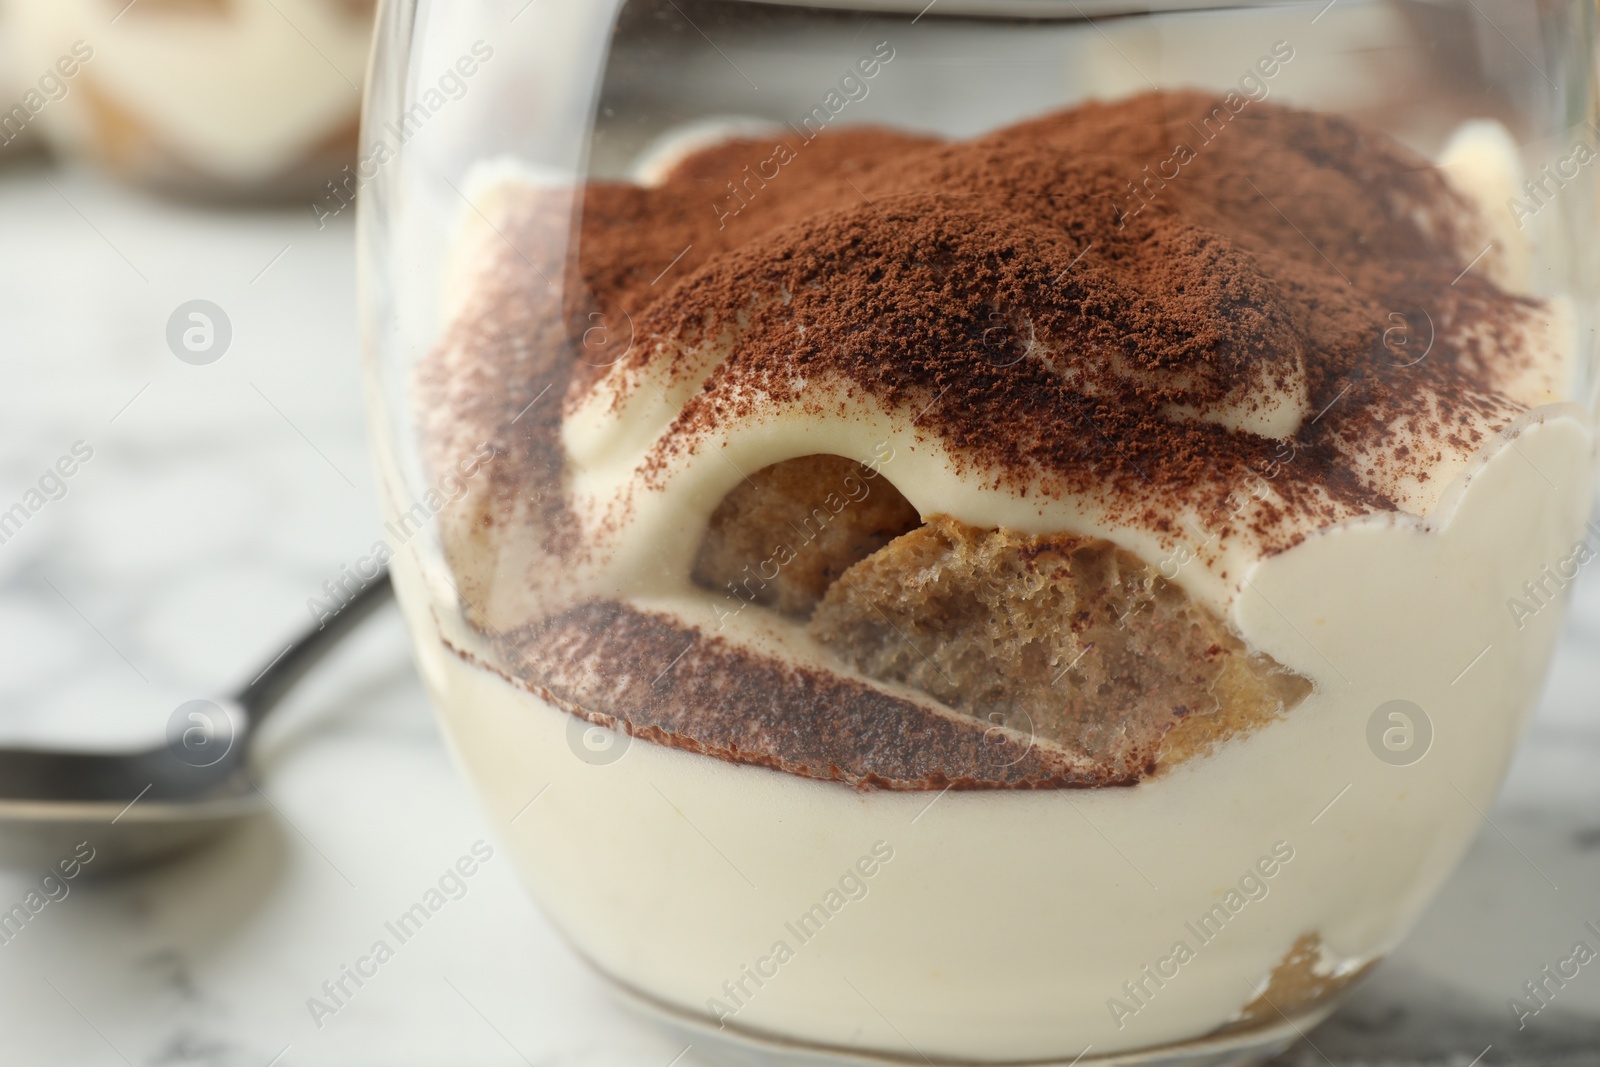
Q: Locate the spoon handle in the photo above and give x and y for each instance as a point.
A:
(263, 694)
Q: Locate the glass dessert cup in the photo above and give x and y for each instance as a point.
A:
(983, 532)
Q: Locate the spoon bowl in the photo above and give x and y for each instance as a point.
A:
(138, 807)
(38, 834)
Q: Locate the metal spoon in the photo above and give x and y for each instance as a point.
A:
(134, 807)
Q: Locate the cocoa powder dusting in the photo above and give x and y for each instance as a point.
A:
(1116, 300)
(933, 275)
(600, 661)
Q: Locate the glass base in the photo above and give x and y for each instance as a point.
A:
(728, 1046)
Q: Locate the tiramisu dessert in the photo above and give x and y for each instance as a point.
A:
(992, 553)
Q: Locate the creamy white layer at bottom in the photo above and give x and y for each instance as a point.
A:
(1007, 923)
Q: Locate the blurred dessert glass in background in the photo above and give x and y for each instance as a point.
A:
(215, 98)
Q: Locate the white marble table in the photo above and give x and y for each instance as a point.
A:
(220, 497)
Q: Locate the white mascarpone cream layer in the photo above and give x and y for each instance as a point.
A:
(1007, 923)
